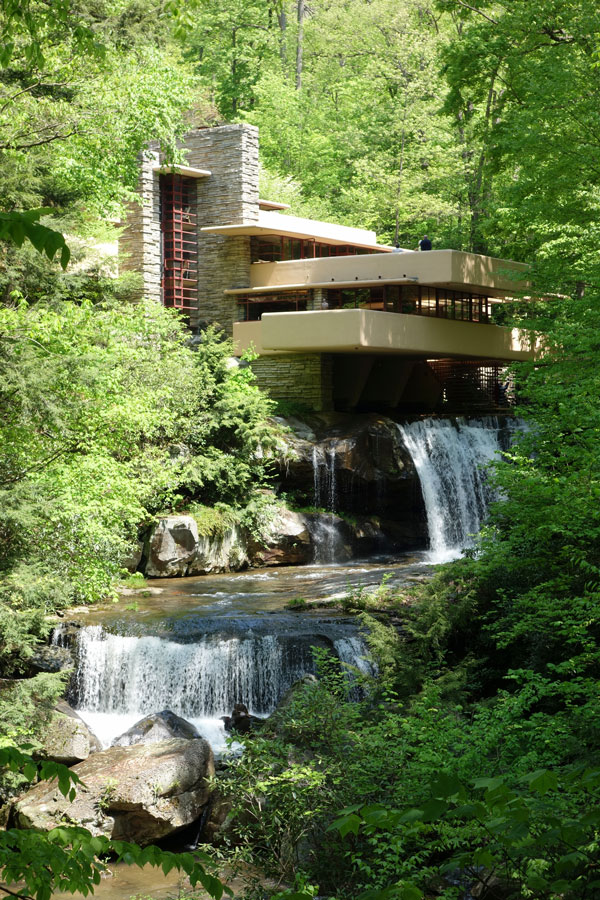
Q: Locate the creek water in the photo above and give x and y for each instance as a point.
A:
(199, 645)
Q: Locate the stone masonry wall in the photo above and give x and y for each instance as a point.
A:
(140, 242)
(303, 378)
(228, 196)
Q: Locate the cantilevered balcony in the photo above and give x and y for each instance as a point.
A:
(437, 304)
(369, 331)
(452, 269)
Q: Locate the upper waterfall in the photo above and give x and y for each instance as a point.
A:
(451, 457)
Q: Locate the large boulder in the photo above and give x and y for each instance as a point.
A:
(158, 727)
(220, 553)
(140, 793)
(174, 547)
(287, 542)
(171, 546)
(67, 739)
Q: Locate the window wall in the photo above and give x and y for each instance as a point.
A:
(275, 248)
(417, 300)
(250, 309)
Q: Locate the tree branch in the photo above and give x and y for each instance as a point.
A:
(478, 11)
(37, 466)
(41, 142)
(14, 893)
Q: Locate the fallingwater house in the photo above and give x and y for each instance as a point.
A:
(338, 320)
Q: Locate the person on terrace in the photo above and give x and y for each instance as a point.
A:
(424, 243)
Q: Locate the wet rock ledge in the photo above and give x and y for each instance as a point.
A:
(356, 466)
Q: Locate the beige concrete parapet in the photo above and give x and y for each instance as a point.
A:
(372, 331)
(453, 269)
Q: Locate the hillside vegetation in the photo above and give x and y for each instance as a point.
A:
(474, 759)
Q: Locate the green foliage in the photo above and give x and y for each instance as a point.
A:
(292, 408)
(134, 581)
(298, 793)
(297, 603)
(360, 598)
(108, 416)
(18, 226)
(78, 103)
(213, 521)
(529, 837)
(26, 707)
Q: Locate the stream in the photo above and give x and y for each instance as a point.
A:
(199, 645)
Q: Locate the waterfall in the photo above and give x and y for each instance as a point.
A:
(450, 458)
(327, 540)
(121, 678)
(332, 498)
(324, 488)
(316, 478)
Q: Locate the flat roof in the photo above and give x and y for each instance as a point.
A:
(272, 204)
(270, 222)
(188, 171)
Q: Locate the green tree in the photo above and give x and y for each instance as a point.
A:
(82, 91)
(107, 417)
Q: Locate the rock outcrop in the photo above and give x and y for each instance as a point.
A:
(292, 539)
(353, 463)
(288, 542)
(160, 726)
(51, 658)
(140, 793)
(174, 547)
(67, 739)
(241, 721)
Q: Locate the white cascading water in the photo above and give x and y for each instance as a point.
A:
(121, 679)
(451, 458)
(353, 652)
(328, 542)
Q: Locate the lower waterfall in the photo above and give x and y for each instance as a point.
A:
(450, 458)
(121, 678)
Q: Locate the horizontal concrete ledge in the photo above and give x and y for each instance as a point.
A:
(272, 204)
(372, 331)
(188, 171)
(275, 223)
(453, 269)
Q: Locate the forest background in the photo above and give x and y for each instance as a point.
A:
(477, 123)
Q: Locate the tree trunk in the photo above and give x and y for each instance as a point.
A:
(234, 99)
(400, 175)
(299, 44)
(282, 19)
